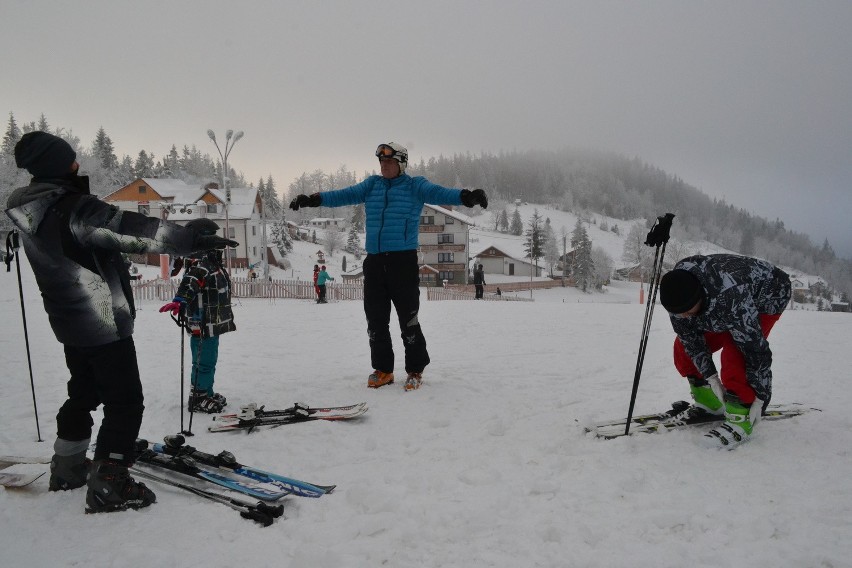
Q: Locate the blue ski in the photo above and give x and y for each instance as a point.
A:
(226, 461)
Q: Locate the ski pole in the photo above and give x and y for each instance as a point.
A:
(180, 320)
(196, 364)
(259, 512)
(657, 237)
(12, 247)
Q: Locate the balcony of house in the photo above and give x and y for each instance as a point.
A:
(431, 228)
(442, 247)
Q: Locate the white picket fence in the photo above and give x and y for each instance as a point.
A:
(164, 290)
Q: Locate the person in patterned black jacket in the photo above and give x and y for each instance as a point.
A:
(204, 297)
(74, 243)
(730, 303)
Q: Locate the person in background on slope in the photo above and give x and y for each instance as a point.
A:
(727, 302)
(74, 242)
(316, 276)
(393, 202)
(322, 278)
(204, 296)
(479, 281)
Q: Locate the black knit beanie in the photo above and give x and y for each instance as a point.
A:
(44, 155)
(680, 290)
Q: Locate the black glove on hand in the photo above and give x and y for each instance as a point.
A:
(313, 200)
(659, 233)
(471, 198)
(210, 242)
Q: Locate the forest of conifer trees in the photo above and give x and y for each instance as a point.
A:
(579, 180)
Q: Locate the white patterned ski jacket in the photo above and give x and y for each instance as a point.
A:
(737, 290)
(74, 242)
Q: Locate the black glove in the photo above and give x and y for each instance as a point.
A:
(210, 242)
(659, 233)
(313, 200)
(471, 198)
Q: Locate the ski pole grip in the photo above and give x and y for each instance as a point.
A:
(257, 516)
(659, 233)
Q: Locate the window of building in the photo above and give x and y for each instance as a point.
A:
(427, 220)
(254, 230)
(446, 256)
(211, 208)
(143, 189)
(445, 238)
(232, 232)
(449, 220)
(254, 251)
(144, 209)
(446, 275)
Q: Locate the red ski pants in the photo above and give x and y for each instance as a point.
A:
(733, 371)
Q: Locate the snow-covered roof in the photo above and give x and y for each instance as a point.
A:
(178, 190)
(451, 213)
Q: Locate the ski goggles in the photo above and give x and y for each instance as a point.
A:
(385, 151)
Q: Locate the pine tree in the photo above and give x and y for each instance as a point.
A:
(281, 237)
(104, 152)
(534, 245)
(551, 248)
(273, 206)
(11, 137)
(503, 222)
(144, 165)
(353, 242)
(517, 226)
(584, 266)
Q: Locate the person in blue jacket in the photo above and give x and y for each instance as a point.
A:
(322, 278)
(393, 202)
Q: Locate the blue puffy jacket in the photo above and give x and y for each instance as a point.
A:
(392, 207)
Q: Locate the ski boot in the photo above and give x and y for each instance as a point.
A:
(379, 379)
(69, 471)
(413, 381)
(112, 489)
(202, 401)
(735, 430)
(705, 403)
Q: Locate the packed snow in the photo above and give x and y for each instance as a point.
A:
(486, 465)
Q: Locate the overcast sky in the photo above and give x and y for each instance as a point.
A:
(746, 100)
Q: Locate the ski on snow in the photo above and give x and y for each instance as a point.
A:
(663, 421)
(259, 512)
(185, 465)
(15, 479)
(9, 479)
(251, 416)
(174, 447)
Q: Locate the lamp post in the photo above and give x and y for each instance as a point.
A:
(230, 140)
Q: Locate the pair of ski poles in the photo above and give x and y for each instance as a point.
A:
(657, 237)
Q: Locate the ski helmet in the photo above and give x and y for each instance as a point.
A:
(203, 226)
(396, 151)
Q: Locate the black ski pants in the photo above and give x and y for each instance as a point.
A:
(109, 375)
(392, 278)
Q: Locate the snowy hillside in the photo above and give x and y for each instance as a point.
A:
(486, 465)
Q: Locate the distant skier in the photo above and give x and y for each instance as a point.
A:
(322, 278)
(479, 281)
(393, 202)
(727, 302)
